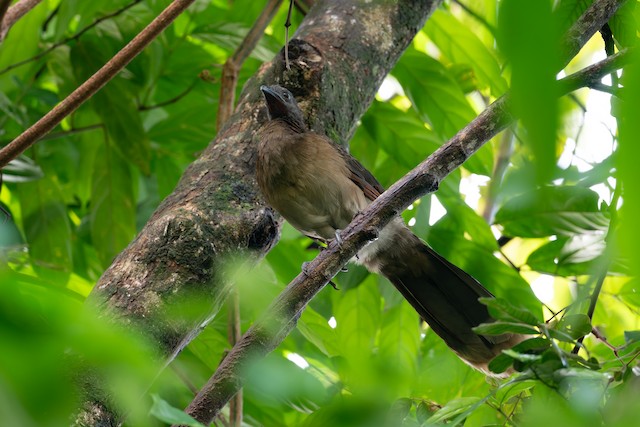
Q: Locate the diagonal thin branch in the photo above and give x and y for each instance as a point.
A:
(4, 6)
(94, 83)
(9, 17)
(68, 39)
(281, 317)
(232, 66)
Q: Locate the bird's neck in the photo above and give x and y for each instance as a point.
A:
(276, 145)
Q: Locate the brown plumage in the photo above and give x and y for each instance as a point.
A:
(318, 187)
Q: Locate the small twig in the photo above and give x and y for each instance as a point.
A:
(68, 105)
(234, 333)
(173, 100)
(609, 48)
(49, 18)
(13, 14)
(184, 378)
(596, 333)
(72, 131)
(287, 24)
(234, 63)
(508, 260)
(68, 39)
(604, 88)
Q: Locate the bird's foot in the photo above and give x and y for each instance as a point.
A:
(305, 268)
(338, 238)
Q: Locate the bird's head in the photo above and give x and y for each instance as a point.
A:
(282, 105)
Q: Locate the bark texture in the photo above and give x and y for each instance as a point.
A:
(343, 50)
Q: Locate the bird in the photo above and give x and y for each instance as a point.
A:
(318, 187)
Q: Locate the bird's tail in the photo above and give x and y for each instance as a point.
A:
(445, 296)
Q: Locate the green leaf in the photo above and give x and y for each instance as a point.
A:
(624, 25)
(548, 211)
(355, 275)
(163, 411)
(499, 328)
(439, 101)
(424, 410)
(453, 408)
(631, 337)
(460, 45)
(276, 379)
(536, 345)
(467, 222)
(229, 35)
(535, 58)
(115, 104)
(402, 135)
(501, 309)
(571, 256)
(522, 357)
(575, 325)
(47, 228)
(80, 13)
(316, 330)
(357, 314)
(436, 97)
(399, 341)
(21, 43)
(626, 161)
(400, 409)
(630, 292)
(568, 11)
(502, 280)
(512, 389)
(185, 130)
(167, 175)
(209, 346)
(500, 363)
(112, 205)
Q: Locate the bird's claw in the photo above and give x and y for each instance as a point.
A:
(338, 238)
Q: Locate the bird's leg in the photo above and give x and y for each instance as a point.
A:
(338, 238)
(318, 242)
(344, 268)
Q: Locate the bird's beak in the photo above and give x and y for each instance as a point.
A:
(276, 105)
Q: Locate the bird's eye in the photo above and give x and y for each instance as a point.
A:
(286, 96)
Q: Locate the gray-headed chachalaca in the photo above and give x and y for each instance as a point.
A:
(318, 187)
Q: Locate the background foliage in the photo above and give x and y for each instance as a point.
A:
(540, 208)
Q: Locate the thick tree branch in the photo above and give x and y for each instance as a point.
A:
(216, 210)
(229, 81)
(9, 17)
(93, 84)
(281, 317)
(592, 20)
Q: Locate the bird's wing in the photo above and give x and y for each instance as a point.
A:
(361, 176)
